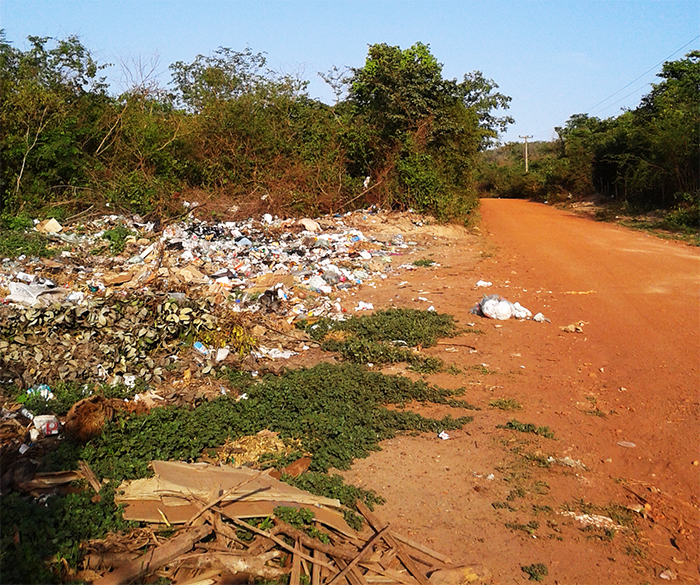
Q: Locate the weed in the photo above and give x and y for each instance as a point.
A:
(68, 393)
(117, 238)
(529, 528)
(32, 532)
(424, 262)
(410, 326)
(15, 243)
(301, 519)
(537, 459)
(595, 412)
(596, 533)
(332, 486)
(535, 572)
(385, 337)
(518, 492)
(454, 370)
(528, 428)
(503, 506)
(541, 509)
(338, 412)
(482, 369)
(506, 404)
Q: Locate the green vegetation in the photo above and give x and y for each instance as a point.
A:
(117, 238)
(233, 128)
(423, 262)
(385, 336)
(644, 159)
(528, 528)
(33, 531)
(528, 428)
(337, 412)
(506, 404)
(536, 571)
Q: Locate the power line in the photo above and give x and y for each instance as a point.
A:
(625, 97)
(642, 75)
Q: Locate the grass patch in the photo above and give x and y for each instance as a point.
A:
(506, 404)
(337, 412)
(385, 337)
(423, 262)
(528, 528)
(528, 428)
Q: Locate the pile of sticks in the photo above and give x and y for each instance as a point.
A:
(208, 551)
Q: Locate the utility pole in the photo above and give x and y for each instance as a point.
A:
(525, 137)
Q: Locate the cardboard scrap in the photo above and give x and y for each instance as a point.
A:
(175, 489)
(49, 226)
(267, 281)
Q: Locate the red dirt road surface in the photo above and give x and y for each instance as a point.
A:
(614, 497)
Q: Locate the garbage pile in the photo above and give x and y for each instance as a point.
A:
(121, 300)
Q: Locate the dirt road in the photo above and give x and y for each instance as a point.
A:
(621, 397)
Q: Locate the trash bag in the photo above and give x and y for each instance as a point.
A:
(496, 307)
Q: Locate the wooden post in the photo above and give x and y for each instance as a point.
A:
(525, 137)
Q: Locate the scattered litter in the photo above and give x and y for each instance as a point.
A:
(540, 318)
(49, 226)
(222, 354)
(581, 292)
(46, 424)
(496, 307)
(669, 575)
(41, 390)
(362, 306)
(443, 435)
(574, 327)
(484, 283)
(626, 444)
(201, 348)
(567, 461)
(596, 520)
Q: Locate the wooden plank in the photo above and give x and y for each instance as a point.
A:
(424, 549)
(316, 569)
(279, 541)
(295, 575)
(404, 579)
(353, 576)
(367, 548)
(391, 541)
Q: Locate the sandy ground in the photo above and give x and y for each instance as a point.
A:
(621, 397)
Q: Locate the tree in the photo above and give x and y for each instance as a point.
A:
(51, 98)
(419, 131)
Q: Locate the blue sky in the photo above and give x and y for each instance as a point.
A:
(554, 58)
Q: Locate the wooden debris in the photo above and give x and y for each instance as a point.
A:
(155, 558)
(218, 499)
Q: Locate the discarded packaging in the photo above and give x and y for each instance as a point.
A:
(540, 318)
(47, 424)
(49, 226)
(484, 283)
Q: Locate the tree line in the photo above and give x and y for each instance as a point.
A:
(228, 128)
(646, 158)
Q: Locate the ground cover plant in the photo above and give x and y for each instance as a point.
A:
(337, 412)
(386, 336)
